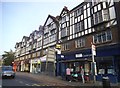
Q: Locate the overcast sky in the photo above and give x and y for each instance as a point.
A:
(22, 17)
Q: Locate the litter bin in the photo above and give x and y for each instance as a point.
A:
(106, 82)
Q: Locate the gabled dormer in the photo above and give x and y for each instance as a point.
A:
(50, 29)
(64, 11)
(64, 23)
(16, 45)
(24, 41)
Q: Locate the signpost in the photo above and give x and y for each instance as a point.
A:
(93, 64)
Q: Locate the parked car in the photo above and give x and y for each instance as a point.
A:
(7, 71)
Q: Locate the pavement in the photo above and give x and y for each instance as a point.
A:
(58, 81)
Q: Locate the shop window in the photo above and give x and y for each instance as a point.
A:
(105, 65)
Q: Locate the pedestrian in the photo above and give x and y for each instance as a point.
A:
(68, 74)
(82, 74)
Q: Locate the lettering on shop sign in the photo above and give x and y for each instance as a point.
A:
(78, 55)
(82, 55)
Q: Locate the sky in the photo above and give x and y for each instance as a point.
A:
(24, 16)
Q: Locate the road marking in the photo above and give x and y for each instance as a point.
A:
(27, 84)
(39, 85)
(35, 85)
(20, 81)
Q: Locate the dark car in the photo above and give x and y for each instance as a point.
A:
(7, 71)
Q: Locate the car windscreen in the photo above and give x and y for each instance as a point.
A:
(7, 69)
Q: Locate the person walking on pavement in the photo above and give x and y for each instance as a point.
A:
(68, 74)
(82, 74)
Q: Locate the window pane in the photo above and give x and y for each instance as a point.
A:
(99, 7)
(104, 37)
(81, 17)
(95, 9)
(104, 4)
(95, 38)
(109, 35)
(88, 4)
(112, 12)
(89, 22)
(99, 38)
(88, 12)
(85, 23)
(82, 25)
(85, 14)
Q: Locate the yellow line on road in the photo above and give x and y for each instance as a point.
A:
(35, 85)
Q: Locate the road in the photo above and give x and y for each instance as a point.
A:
(22, 81)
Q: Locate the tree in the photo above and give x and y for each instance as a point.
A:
(8, 57)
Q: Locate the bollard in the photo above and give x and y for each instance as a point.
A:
(106, 82)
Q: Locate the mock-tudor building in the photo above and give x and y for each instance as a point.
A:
(96, 23)
(50, 39)
(75, 30)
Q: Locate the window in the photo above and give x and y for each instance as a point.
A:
(88, 12)
(85, 23)
(95, 9)
(105, 65)
(85, 13)
(65, 46)
(78, 11)
(53, 31)
(63, 19)
(98, 17)
(80, 43)
(105, 14)
(39, 43)
(95, 18)
(104, 5)
(102, 37)
(99, 7)
(81, 25)
(38, 53)
(89, 22)
(112, 13)
(109, 35)
(64, 32)
(77, 27)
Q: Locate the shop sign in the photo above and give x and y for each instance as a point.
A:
(39, 61)
(94, 50)
(51, 55)
(58, 46)
(34, 61)
(43, 59)
(78, 55)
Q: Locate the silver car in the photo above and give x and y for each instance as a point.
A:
(7, 71)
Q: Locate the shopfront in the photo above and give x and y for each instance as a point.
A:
(107, 61)
(74, 61)
(35, 65)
